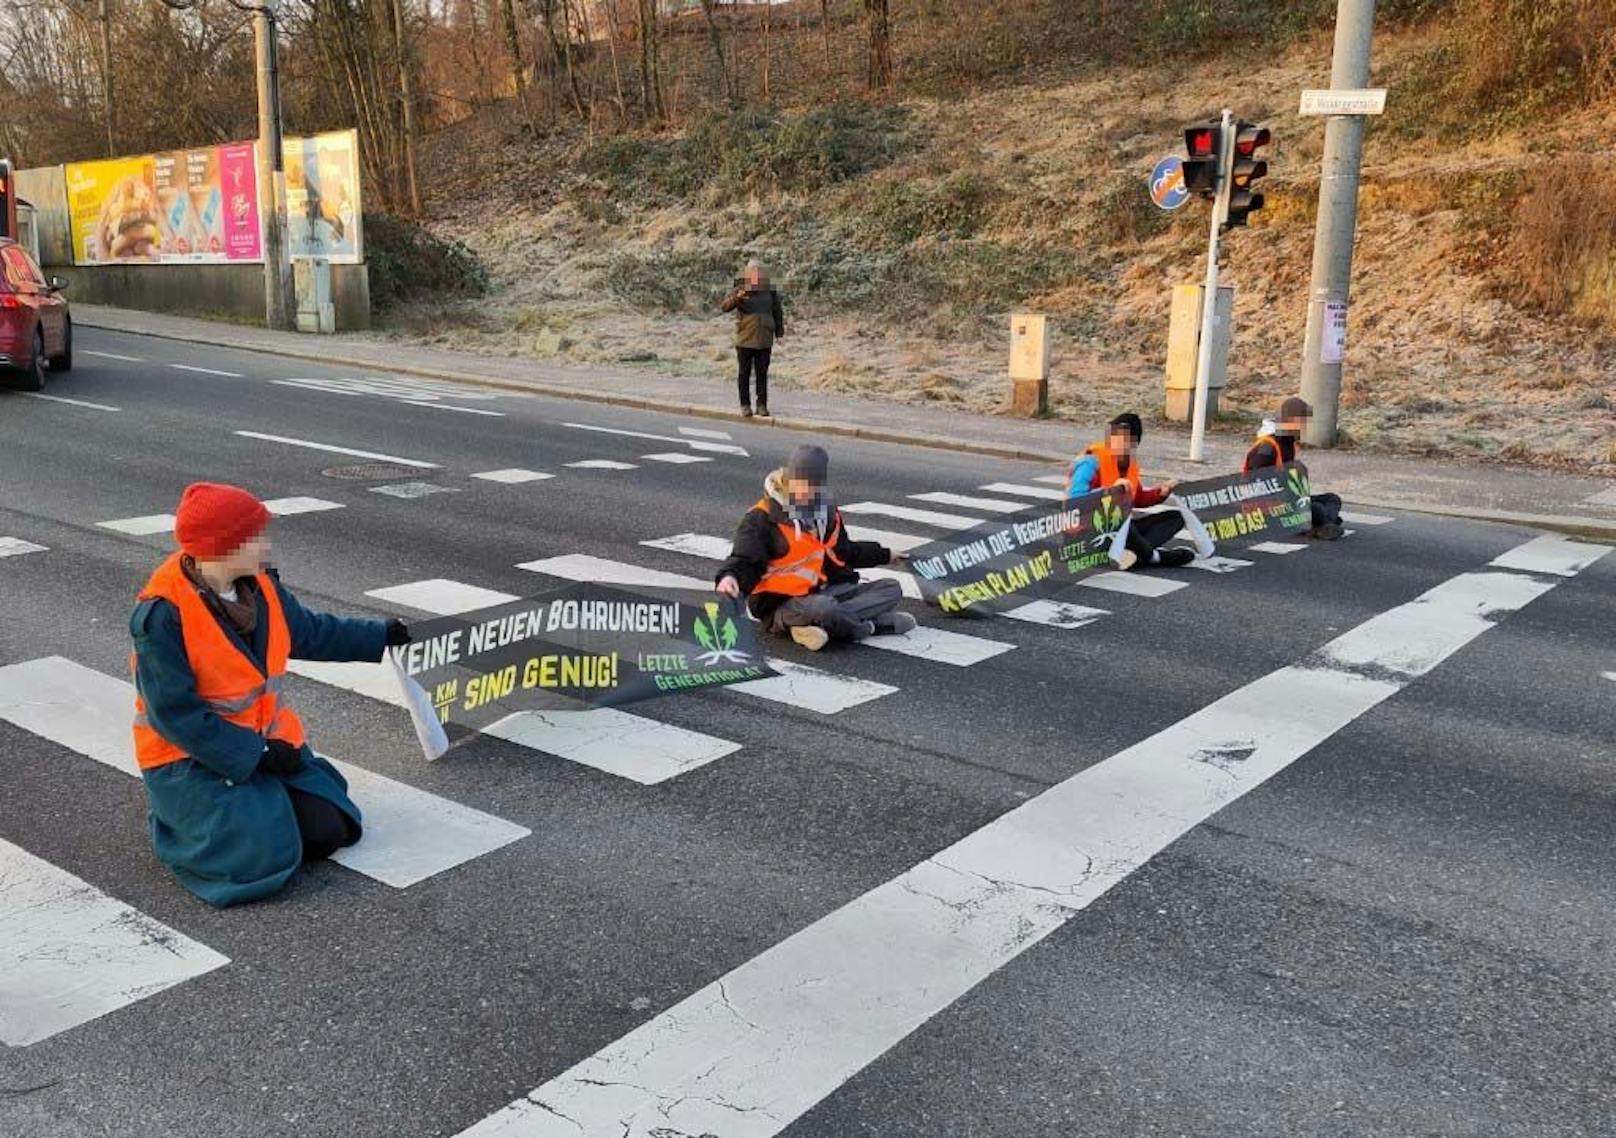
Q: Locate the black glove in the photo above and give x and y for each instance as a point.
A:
(398, 633)
(280, 758)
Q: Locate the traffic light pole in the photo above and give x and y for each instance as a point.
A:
(1209, 293)
(1337, 226)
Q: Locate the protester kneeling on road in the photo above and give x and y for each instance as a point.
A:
(1279, 446)
(237, 799)
(793, 558)
(1114, 462)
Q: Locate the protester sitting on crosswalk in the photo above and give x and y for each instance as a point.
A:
(1278, 446)
(793, 557)
(237, 798)
(1114, 462)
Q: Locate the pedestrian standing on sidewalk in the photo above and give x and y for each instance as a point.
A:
(237, 799)
(759, 322)
(793, 559)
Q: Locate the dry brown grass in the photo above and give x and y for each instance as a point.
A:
(1562, 252)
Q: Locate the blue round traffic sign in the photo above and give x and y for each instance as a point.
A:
(1167, 183)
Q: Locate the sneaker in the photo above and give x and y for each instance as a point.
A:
(746, 410)
(763, 411)
(1329, 531)
(810, 636)
(895, 624)
(1177, 557)
(1127, 560)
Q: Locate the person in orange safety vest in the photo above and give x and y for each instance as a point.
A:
(794, 561)
(237, 799)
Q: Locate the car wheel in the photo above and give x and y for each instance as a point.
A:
(33, 375)
(64, 362)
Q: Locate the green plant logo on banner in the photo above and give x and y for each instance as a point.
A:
(717, 634)
(1300, 486)
(1107, 520)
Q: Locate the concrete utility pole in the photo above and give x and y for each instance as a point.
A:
(1337, 225)
(106, 74)
(280, 305)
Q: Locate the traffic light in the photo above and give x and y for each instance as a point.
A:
(1204, 142)
(1246, 169)
(8, 202)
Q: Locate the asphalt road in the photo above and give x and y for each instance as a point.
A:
(1404, 927)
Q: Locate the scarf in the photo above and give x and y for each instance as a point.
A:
(239, 615)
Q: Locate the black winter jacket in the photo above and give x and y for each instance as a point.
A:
(758, 541)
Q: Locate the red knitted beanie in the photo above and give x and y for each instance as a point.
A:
(215, 520)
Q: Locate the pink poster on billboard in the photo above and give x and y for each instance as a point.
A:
(238, 180)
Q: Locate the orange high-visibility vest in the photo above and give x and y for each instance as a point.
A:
(226, 677)
(1109, 471)
(802, 568)
(1279, 452)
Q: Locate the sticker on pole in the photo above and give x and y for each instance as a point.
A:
(1333, 333)
(1167, 187)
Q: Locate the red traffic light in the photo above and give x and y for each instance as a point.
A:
(1202, 141)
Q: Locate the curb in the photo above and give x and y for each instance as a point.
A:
(1597, 529)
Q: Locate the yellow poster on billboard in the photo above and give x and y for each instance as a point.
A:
(112, 210)
(322, 197)
(179, 206)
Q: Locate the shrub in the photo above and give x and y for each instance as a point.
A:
(1562, 252)
(407, 263)
(899, 211)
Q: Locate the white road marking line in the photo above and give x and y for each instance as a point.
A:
(152, 523)
(512, 475)
(71, 953)
(110, 356)
(1025, 491)
(1365, 519)
(906, 580)
(71, 402)
(811, 689)
(1611, 676)
(604, 571)
(1552, 553)
(940, 646)
(693, 444)
(89, 712)
(753, 1051)
(1603, 498)
(1277, 547)
(1134, 584)
(452, 407)
(1060, 480)
(965, 501)
(676, 457)
(1217, 564)
(442, 597)
(16, 546)
(206, 370)
(602, 464)
(704, 433)
(910, 514)
(285, 507)
(396, 387)
(1055, 614)
(338, 450)
(898, 542)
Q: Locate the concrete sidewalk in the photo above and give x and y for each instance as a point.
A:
(1545, 499)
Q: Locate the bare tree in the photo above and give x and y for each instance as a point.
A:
(513, 44)
(650, 64)
(878, 75)
(726, 88)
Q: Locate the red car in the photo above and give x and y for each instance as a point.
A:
(35, 328)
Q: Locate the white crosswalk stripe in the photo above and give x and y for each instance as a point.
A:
(70, 953)
(513, 475)
(143, 526)
(1276, 547)
(897, 542)
(1365, 519)
(1552, 553)
(693, 444)
(676, 458)
(911, 514)
(89, 712)
(441, 597)
(705, 433)
(604, 571)
(15, 546)
(602, 464)
(968, 502)
(1218, 564)
(717, 549)
(1134, 584)
(1054, 479)
(286, 507)
(1041, 492)
(1055, 614)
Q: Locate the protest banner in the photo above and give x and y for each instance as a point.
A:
(1022, 556)
(578, 644)
(1251, 507)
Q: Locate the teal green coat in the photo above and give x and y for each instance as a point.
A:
(225, 829)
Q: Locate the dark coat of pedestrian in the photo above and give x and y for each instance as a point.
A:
(759, 322)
